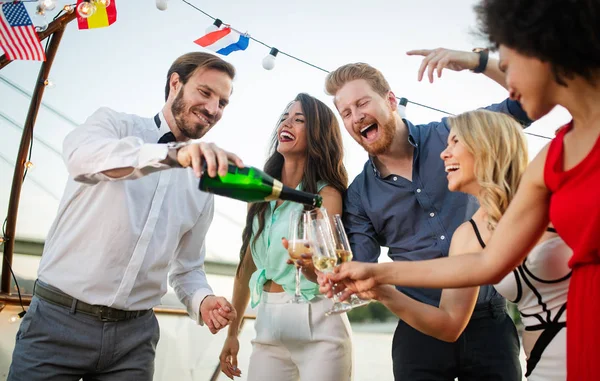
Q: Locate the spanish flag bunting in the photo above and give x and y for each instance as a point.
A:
(102, 17)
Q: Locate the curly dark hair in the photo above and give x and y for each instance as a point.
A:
(565, 33)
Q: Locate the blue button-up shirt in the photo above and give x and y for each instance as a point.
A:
(414, 219)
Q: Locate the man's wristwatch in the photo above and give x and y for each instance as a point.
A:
(483, 59)
(173, 147)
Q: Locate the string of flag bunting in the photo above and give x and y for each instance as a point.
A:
(19, 40)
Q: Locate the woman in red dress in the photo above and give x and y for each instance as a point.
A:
(550, 51)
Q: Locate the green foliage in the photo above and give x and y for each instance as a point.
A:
(513, 312)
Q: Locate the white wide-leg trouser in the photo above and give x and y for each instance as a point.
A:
(298, 342)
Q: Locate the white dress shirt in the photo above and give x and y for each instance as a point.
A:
(115, 240)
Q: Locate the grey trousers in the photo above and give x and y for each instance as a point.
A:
(55, 343)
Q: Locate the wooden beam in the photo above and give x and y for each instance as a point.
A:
(17, 183)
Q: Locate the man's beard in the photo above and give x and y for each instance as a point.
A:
(386, 137)
(189, 130)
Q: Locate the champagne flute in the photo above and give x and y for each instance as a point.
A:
(298, 244)
(344, 254)
(323, 249)
(328, 250)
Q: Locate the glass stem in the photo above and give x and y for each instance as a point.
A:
(335, 298)
(298, 269)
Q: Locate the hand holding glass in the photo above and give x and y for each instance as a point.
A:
(297, 245)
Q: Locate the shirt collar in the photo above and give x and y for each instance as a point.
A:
(164, 126)
(413, 139)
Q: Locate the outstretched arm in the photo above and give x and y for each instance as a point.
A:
(102, 149)
(446, 322)
(516, 234)
(436, 60)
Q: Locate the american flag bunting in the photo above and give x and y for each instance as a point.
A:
(18, 38)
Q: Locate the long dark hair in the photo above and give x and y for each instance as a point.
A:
(324, 160)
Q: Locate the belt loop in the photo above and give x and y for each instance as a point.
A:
(73, 306)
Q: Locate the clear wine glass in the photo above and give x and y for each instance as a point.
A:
(298, 244)
(322, 245)
(330, 249)
(344, 254)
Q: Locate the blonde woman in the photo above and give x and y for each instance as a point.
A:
(486, 157)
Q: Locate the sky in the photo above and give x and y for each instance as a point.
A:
(124, 67)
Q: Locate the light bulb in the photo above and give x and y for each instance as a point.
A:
(68, 8)
(2, 240)
(269, 61)
(402, 107)
(28, 164)
(39, 19)
(47, 4)
(103, 3)
(161, 4)
(49, 84)
(215, 26)
(13, 319)
(85, 9)
(40, 9)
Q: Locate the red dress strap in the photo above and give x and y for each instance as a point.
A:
(554, 159)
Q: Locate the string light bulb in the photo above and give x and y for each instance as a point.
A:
(39, 18)
(49, 84)
(2, 240)
(13, 318)
(103, 3)
(28, 164)
(215, 26)
(402, 107)
(85, 9)
(162, 4)
(40, 9)
(48, 5)
(269, 61)
(68, 8)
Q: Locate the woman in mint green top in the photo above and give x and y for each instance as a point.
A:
(267, 252)
(293, 341)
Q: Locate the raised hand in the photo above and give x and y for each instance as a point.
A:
(217, 312)
(440, 58)
(348, 274)
(305, 263)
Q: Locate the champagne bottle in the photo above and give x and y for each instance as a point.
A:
(250, 184)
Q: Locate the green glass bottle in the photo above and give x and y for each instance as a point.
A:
(253, 185)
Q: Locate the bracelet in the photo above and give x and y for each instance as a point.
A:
(483, 59)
